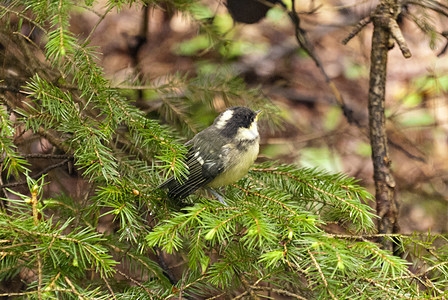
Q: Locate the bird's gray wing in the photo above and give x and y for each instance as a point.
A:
(202, 164)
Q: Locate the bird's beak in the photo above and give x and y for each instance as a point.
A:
(258, 113)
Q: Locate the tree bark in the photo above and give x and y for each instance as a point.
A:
(385, 193)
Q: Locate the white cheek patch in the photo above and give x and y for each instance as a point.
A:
(227, 115)
(250, 133)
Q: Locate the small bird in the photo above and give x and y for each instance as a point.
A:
(220, 154)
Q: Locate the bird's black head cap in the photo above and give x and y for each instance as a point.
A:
(233, 118)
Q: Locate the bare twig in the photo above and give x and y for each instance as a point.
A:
(304, 42)
(33, 292)
(391, 25)
(43, 156)
(248, 288)
(34, 203)
(69, 282)
(148, 291)
(307, 46)
(216, 297)
(383, 287)
(47, 156)
(398, 37)
(361, 24)
(109, 288)
(39, 275)
(98, 22)
(53, 139)
(240, 296)
(278, 291)
(44, 171)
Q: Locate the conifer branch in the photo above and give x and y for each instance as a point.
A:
(318, 268)
(148, 291)
(384, 287)
(73, 289)
(274, 229)
(265, 197)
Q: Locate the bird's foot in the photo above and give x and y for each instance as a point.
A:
(218, 196)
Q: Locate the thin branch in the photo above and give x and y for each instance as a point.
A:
(423, 273)
(216, 297)
(54, 280)
(392, 26)
(88, 8)
(319, 270)
(39, 276)
(373, 235)
(53, 139)
(23, 16)
(142, 262)
(47, 156)
(303, 41)
(73, 288)
(243, 294)
(248, 288)
(383, 287)
(34, 292)
(406, 152)
(398, 37)
(278, 291)
(36, 176)
(98, 23)
(148, 291)
(34, 203)
(109, 288)
(360, 26)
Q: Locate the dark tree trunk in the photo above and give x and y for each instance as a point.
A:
(386, 201)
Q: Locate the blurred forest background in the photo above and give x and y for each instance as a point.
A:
(154, 55)
(315, 132)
